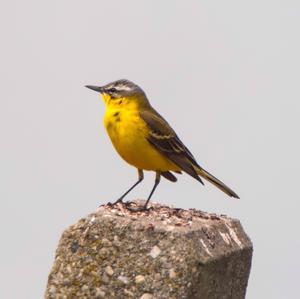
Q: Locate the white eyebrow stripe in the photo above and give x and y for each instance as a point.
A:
(123, 87)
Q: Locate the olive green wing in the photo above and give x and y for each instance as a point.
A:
(165, 140)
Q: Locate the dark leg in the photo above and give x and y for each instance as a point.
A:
(157, 180)
(141, 177)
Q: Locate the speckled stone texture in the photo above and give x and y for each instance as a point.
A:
(161, 253)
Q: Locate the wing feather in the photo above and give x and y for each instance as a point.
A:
(165, 140)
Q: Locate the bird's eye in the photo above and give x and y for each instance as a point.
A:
(112, 90)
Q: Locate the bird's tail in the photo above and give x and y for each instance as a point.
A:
(209, 177)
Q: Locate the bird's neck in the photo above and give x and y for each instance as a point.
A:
(125, 103)
(121, 104)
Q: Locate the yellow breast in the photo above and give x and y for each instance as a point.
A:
(128, 133)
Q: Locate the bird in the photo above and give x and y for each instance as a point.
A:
(145, 140)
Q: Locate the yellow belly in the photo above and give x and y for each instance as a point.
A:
(128, 134)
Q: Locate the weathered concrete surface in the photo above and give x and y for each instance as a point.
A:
(163, 253)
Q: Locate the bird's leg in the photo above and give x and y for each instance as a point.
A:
(157, 180)
(141, 177)
(144, 208)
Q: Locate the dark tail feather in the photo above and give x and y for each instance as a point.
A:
(209, 177)
(169, 176)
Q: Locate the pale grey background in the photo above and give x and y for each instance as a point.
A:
(224, 73)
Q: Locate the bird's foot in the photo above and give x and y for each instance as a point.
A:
(143, 208)
(128, 206)
(120, 200)
(135, 210)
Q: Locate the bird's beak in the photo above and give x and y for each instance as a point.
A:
(96, 88)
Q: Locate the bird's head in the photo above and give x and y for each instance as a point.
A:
(121, 93)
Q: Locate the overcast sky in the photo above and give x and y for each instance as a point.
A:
(224, 73)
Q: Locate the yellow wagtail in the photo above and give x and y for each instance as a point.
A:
(145, 140)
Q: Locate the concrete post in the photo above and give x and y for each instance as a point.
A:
(162, 253)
